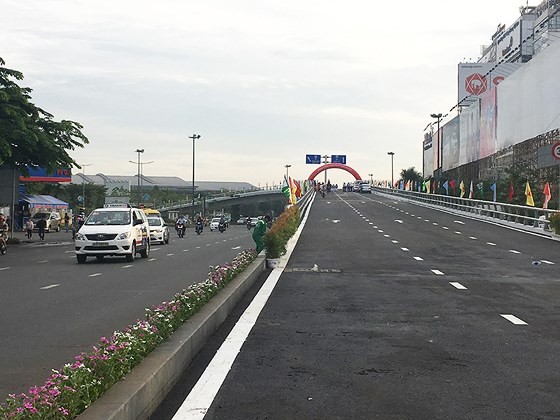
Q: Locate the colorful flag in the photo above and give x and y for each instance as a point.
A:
(471, 191)
(446, 186)
(547, 195)
(298, 189)
(462, 188)
(511, 192)
(493, 188)
(452, 185)
(286, 188)
(480, 187)
(529, 195)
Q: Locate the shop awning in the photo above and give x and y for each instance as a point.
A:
(46, 201)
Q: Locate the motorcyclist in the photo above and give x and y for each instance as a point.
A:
(199, 224)
(4, 228)
(248, 223)
(180, 224)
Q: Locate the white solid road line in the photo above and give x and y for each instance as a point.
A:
(205, 390)
(513, 319)
(457, 285)
(50, 286)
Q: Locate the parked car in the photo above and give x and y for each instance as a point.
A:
(52, 218)
(159, 232)
(365, 187)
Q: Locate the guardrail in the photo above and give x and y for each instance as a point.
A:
(304, 202)
(523, 215)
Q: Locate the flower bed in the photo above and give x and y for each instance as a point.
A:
(276, 239)
(69, 391)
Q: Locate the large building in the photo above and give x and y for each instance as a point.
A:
(172, 183)
(508, 107)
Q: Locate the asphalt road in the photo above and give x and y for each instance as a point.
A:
(411, 313)
(52, 308)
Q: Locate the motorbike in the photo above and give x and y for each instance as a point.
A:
(249, 224)
(198, 227)
(222, 227)
(180, 228)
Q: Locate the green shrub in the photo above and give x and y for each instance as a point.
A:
(276, 239)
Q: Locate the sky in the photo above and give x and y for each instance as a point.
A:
(264, 83)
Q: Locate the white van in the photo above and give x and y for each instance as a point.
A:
(114, 230)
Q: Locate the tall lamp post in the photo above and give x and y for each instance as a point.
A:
(440, 143)
(83, 165)
(141, 184)
(392, 180)
(193, 137)
(287, 167)
(138, 186)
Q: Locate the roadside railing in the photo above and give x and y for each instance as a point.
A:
(523, 215)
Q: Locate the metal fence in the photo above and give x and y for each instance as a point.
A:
(522, 215)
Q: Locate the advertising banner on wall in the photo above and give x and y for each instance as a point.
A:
(508, 42)
(451, 144)
(470, 134)
(41, 175)
(428, 157)
(528, 101)
(477, 78)
(428, 162)
(488, 108)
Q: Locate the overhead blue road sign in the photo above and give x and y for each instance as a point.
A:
(313, 159)
(338, 159)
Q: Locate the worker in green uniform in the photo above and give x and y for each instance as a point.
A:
(259, 231)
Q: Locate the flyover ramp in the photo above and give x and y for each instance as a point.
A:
(390, 310)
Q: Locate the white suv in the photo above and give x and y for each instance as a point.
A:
(117, 230)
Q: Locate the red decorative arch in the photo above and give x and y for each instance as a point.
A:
(346, 168)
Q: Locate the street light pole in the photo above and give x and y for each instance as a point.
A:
(392, 180)
(83, 184)
(287, 166)
(440, 143)
(138, 186)
(193, 137)
(325, 161)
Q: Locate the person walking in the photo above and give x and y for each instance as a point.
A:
(259, 231)
(41, 226)
(66, 221)
(29, 228)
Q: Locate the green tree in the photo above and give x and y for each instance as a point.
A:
(29, 136)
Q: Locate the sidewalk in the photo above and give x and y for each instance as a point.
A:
(50, 238)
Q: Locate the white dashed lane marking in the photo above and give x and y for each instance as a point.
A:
(513, 319)
(405, 249)
(4, 268)
(490, 243)
(457, 285)
(418, 258)
(50, 286)
(395, 242)
(513, 251)
(127, 266)
(473, 238)
(458, 221)
(42, 262)
(95, 274)
(458, 233)
(437, 272)
(547, 262)
(152, 259)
